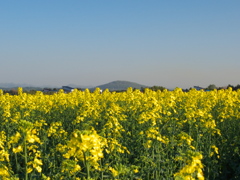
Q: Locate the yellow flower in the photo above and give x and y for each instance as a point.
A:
(148, 144)
(76, 168)
(18, 149)
(4, 155)
(135, 170)
(38, 161)
(31, 138)
(215, 149)
(38, 168)
(114, 172)
(15, 138)
(29, 170)
(4, 172)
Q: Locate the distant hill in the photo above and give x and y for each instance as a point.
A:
(24, 88)
(121, 85)
(12, 85)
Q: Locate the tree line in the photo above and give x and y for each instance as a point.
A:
(50, 91)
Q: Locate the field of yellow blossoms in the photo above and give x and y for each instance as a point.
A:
(169, 135)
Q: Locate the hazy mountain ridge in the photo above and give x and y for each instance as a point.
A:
(9, 86)
(112, 86)
(121, 85)
(13, 85)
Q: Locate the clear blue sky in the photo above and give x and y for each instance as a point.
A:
(156, 42)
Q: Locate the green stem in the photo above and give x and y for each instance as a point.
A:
(87, 165)
(88, 172)
(101, 169)
(25, 158)
(16, 161)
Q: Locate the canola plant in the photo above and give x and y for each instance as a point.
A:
(169, 135)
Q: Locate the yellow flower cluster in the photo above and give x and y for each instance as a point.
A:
(86, 146)
(193, 169)
(4, 157)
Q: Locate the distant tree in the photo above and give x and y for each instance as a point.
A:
(234, 88)
(237, 87)
(231, 86)
(13, 92)
(32, 91)
(211, 87)
(156, 88)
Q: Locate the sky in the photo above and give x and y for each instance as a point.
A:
(88, 43)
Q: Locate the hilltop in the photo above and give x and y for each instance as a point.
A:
(121, 85)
